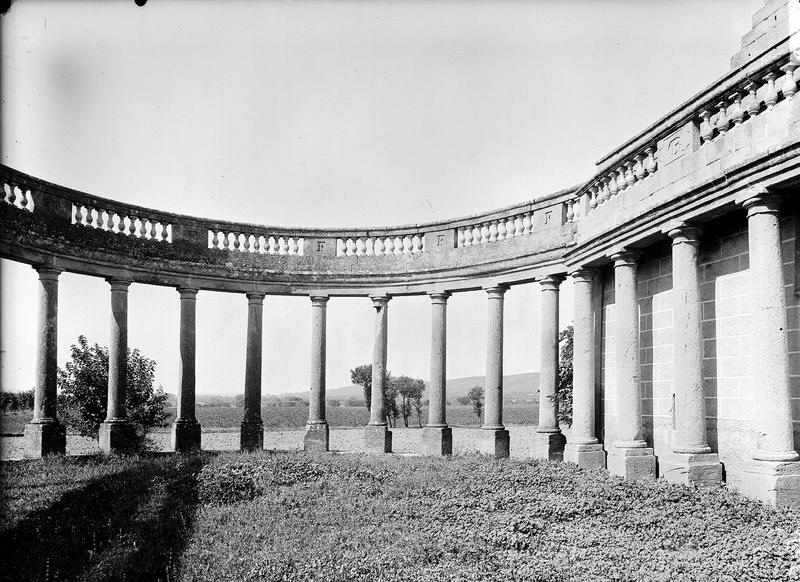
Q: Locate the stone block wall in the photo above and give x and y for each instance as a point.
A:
(730, 359)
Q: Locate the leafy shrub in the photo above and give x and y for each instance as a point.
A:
(13, 401)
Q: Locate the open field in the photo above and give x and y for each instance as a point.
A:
(279, 417)
(356, 517)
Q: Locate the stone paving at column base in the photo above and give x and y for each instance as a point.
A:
(404, 441)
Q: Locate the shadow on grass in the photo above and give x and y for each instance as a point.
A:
(128, 525)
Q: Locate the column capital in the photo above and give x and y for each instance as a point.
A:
(550, 282)
(439, 297)
(624, 257)
(583, 274)
(119, 284)
(48, 273)
(760, 200)
(496, 291)
(187, 292)
(320, 299)
(683, 232)
(380, 300)
(255, 297)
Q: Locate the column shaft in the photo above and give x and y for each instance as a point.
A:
(186, 432)
(45, 435)
(496, 441)
(376, 435)
(437, 437)
(771, 376)
(316, 437)
(252, 429)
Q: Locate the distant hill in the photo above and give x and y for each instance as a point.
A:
(515, 386)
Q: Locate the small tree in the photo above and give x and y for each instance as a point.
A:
(362, 376)
(475, 396)
(563, 395)
(84, 390)
(410, 391)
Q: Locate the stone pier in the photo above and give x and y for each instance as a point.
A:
(437, 437)
(252, 428)
(495, 440)
(186, 429)
(377, 436)
(317, 434)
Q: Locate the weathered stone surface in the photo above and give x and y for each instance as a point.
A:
(587, 456)
(495, 443)
(773, 482)
(42, 439)
(378, 438)
(549, 445)
(687, 468)
(252, 435)
(634, 464)
(317, 437)
(437, 440)
(117, 436)
(185, 437)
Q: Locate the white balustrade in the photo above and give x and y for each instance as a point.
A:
(262, 244)
(408, 244)
(17, 197)
(128, 225)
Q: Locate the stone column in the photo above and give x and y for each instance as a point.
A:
(377, 436)
(774, 474)
(583, 448)
(692, 461)
(116, 432)
(496, 442)
(317, 436)
(45, 435)
(252, 428)
(548, 442)
(186, 429)
(629, 455)
(437, 437)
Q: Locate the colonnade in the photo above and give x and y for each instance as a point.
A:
(628, 455)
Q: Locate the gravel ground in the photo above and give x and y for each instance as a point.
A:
(404, 440)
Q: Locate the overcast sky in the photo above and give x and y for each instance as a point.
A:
(329, 114)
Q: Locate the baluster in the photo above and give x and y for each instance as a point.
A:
(467, 237)
(527, 225)
(233, 240)
(222, 240)
(340, 248)
(84, 212)
(282, 246)
(147, 228)
(753, 105)
(169, 233)
(116, 221)
(737, 113)
(476, 235)
(9, 194)
(351, 247)
(501, 229)
(593, 197)
(398, 245)
(19, 197)
(272, 245)
(570, 211)
(259, 244)
(706, 130)
(292, 245)
(638, 167)
(493, 231)
(301, 245)
(13, 198)
(379, 246)
(157, 229)
(359, 246)
(722, 118)
(252, 244)
(388, 245)
(416, 244)
(127, 226)
(137, 227)
(771, 94)
(650, 162)
(629, 177)
(519, 227)
(511, 227)
(369, 244)
(210, 239)
(613, 188)
(101, 220)
(789, 87)
(406, 244)
(621, 183)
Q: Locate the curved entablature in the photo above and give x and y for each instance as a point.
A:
(50, 224)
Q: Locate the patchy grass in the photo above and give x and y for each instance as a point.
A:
(357, 517)
(368, 518)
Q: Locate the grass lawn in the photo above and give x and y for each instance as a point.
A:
(356, 517)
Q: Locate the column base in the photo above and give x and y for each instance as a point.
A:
(632, 463)
(45, 438)
(548, 445)
(377, 438)
(774, 482)
(251, 436)
(437, 440)
(495, 443)
(185, 436)
(587, 456)
(117, 436)
(686, 468)
(317, 437)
